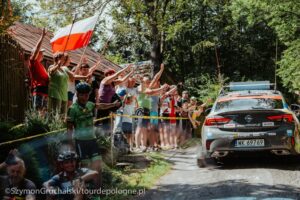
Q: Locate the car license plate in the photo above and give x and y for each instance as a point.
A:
(250, 143)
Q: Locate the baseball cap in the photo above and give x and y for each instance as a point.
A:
(122, 92)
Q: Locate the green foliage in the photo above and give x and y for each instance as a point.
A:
(36, 123)
(116, 58)
(4, 128)
(283, 17)
(289, 70)
(46, 146)
(104, 142)
(187, 34)
(7, 16)
(205, 86)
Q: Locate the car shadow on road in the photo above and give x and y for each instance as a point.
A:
(261, 160)
(223, 190)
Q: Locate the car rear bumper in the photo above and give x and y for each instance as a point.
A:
(220, 143)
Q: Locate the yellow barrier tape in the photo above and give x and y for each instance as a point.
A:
(96, 120)
(101, 119)
(150, 117)
(31, 137)
(44, 134)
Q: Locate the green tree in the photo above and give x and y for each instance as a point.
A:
(283, 17)
(7, 15)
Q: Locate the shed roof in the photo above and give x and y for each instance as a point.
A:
(28, 35)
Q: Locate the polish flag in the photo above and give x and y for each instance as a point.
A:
(79, 36)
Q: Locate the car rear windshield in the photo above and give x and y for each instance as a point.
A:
(248, 104)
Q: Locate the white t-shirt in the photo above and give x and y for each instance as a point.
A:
(165, 108)
(128, 110)
(132, 91)
(71, 86)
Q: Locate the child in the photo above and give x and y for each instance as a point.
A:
(130, 105)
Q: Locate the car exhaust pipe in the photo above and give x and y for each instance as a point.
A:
(219, 154)
(281, 152)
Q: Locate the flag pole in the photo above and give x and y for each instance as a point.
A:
(70, 32)
(83, 53)
(100, 13)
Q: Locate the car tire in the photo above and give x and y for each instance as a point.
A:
(201, 163)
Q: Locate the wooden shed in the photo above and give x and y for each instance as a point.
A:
(15, 51)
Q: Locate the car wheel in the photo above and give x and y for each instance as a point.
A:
(204, 159)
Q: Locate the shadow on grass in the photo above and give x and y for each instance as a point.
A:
(135, 179)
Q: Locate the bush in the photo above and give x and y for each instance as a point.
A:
(37, 153)
(4, 129)
(36, 123)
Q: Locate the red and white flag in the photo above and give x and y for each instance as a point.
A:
(80, 35)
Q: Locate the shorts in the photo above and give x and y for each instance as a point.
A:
(186, 126)
(70, 96)
(106, 123)
(39, 102)
(142, 122)
(154, 122)
(87, 149)
(127, 128)
(165, 121)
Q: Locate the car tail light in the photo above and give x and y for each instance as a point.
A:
(216, 120)
(284, 117)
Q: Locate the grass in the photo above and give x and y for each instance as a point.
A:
(133, 180)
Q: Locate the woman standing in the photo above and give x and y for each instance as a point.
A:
(107, 92)
(59, 75)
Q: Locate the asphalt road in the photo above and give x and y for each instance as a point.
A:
(252, 177)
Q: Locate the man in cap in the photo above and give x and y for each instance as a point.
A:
(39, 76)
(68, 183)
(14, 180)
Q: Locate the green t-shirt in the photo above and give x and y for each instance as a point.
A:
(144, 100)
(58, 84)
(82, 118)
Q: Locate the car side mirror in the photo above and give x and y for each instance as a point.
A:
(207, 111)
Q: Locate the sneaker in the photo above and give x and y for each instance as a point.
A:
(137, 150)
(144, 149)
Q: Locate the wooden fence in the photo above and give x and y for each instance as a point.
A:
(13, 92)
